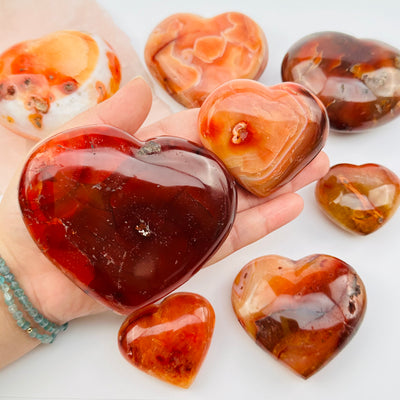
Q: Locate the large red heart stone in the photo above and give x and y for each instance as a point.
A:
(127, 221)
(302, 312)
(264, 135)
(358, 80)
(190, 56)
(169, 341)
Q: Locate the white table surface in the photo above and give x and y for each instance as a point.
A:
(84, 362)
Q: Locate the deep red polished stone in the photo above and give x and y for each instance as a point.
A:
(127, 221)
(169, 341)
(264, 135)
(358, 80)
(302, 312)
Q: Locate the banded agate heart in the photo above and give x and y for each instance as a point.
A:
(190, 56)
(302, 312)
(169, 341)
(358, 80)
(264, 135)
(127, 221)
(359, 198)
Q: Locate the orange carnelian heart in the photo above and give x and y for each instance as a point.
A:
(264, 135)
(302, 312)
(357, 80)
(127, 221)
(169, 341)
(46, 82)
(190, 56)
(359, 198)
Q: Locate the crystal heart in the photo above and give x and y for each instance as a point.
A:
(357, 80)
(169, 341)
(127, 221)
(190, 56)
(302, 312)
(46, 82)
(264, 135)
(359, 198)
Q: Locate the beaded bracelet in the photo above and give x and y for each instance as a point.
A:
(8, 285)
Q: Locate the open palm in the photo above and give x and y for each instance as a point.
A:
(51, 291)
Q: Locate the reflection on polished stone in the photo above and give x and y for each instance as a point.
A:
(359, 198)
(190, 56)
(169, 341)
(264, 135)
(302, 312)
(357, 80)
(127, 221)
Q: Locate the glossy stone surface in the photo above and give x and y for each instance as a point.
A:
(302, 312)
(127, 221)
(264, 135)
(169, 341)
(47, 81)
(190, 56)
(359, 198)
(358, 80)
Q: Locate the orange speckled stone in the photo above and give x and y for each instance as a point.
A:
(302, 312)
(169, 341)
(190, 56)
(264, 135)
(46, 82)
(359, 198)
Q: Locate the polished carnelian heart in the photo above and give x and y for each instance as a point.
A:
(46, 82)
(264, 135)
(302, 312)
(357, 80)
(169, 341)
(190, 56)
(127, 221)
(359, 198)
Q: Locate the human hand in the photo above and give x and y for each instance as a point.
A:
(51, 292)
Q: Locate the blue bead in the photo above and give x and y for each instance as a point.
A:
(4, 287)
(14, 285)
(18, 314)
(13, 309)
(9, 277)
(8, 297)
(1, 279)
(38, 318)
(19, 292)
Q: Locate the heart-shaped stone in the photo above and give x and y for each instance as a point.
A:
(264, 135)
(45, 82)
(359, 198)
(302, 312)
(127, 221)
(357, 80)
(169, 341)
(190, 56)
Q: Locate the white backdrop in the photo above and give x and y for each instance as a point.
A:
(84, 362)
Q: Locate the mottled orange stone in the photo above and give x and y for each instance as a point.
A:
(190, 56)
(127, 221)
(302, 312)
(37, 75)
(358, 80)
(169, 341)
(359, 198)
(264, 135)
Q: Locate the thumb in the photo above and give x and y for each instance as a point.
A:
(126, 109)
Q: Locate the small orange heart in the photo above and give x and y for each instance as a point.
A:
(170, 340)
(302, 312)
(190, 56)
(359, 198)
